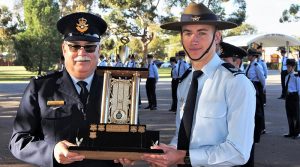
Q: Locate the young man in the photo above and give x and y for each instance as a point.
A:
(232, 54)
(174, 83)
(56, 110)
(265, 70)
(283, 72)
(292, 99)
(254, 72)
(102, 62)
(151, 83)
(131, 63)
(215, 116)
(118, 61)
(182, 65)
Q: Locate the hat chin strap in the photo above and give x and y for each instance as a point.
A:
(206, 51)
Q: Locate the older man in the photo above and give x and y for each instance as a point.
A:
(57, 109)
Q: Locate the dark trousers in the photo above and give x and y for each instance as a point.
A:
(292, 113)
(250, 162)
(150, 90)
(282, 75)
(259, 112)
(174, 85)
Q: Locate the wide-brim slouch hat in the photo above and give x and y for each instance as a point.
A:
(195, 14)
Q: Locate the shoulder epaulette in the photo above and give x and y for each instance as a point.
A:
(296, 75)
(255, 64)
(235, 71)
(48, 75)
(185, 74)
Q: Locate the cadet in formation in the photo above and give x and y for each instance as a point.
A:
(174, 83)
(151, 83)
(292, 99)
(234, 55)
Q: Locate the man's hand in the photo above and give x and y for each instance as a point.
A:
(63, 156)
(124, 161)
(172, 156)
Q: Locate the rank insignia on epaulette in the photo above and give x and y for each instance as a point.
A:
(234, 69)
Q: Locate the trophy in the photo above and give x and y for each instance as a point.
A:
(119, 134)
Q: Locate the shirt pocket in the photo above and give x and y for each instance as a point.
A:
(212, 110)
(57, 123)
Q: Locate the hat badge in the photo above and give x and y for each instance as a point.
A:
(81, 25)
(195, 18)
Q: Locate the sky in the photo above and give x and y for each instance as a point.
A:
(263, 14)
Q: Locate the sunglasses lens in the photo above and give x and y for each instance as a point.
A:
(90, 48)
(87, 48)
(74, 48)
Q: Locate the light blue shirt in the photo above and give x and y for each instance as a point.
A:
(283, 63)
(255, 73)
(182, 66)
(264, 66)
(153, 71)
(293, 85)
(102, 63)
(174, 71)
(131, 64)
(223, 126)
(88, 80)
(298, 65)
(118, 64)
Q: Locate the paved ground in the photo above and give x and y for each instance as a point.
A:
(273, 150)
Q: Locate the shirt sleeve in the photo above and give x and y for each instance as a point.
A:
(260, 75)
(265, 68)
(155, 70)
(27, 142)
(236, 147)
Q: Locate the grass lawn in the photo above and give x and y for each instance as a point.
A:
(164, 72)
(19, 74)
(14, 74)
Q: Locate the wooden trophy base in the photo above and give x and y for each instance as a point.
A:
(104, 153)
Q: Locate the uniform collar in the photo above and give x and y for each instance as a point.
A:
(88, 80)
(211, 67)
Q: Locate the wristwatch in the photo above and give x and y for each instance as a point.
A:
(187, 159)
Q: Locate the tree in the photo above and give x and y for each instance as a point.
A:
(291, 14)
(38, 47)
(135, 18)
(7, 28)
(244, 29)
(69, 6)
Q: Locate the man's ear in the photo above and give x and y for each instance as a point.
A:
(63, 48)
(218, 37)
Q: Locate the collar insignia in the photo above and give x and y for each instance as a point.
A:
(81, 25)
(195, 18)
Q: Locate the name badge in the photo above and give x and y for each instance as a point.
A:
(55, 103)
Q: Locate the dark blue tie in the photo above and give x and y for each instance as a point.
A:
(187, 118)
(84, 93)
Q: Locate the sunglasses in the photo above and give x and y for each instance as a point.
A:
(87, 48)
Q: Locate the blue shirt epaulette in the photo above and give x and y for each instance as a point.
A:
(235, 71)
(48, 75)
(185, 74)
(255, 64)
(296, 75)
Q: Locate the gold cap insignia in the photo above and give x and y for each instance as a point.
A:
(81, 25)
(196, 18)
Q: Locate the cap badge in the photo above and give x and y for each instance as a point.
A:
(195, 18)
(81, 25)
